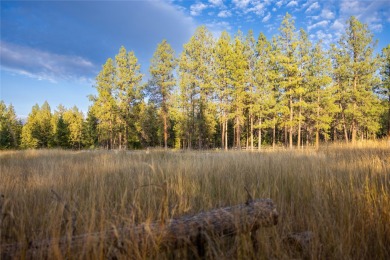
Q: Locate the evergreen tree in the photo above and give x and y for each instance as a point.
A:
(74, 118)
(304, 46)
(240, 84)
(223, 60)
(38, 130)
(104, 106)
(62, 133)
(290, 72)
(10, 127)
(127, 93)
(196, 73)
(264, 94)
(362, 108)
(320, 98)
(60, 128)
(162, 82)
(250, 54)
(90, 130)
(385, 86)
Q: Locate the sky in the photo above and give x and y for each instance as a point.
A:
(53, 50)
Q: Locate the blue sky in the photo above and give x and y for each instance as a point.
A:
(53, 50)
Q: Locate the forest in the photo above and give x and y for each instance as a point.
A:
(230, 92)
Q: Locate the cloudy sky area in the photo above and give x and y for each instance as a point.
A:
(53, 50)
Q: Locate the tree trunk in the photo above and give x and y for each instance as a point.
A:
(344, 127)
(354, 125)
(165, 131)
(388, 119)
(317, 123)
(299, 122)
(223, 134)
(260, 137)
(175, 233)
(251, 132)
(273, 136)
(226, 135)
(291, 127)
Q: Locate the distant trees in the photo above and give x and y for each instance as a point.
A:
(226, 92)
(10, 127)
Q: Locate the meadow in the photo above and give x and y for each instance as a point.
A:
(339, 193)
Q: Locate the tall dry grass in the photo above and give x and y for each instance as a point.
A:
(340, 193)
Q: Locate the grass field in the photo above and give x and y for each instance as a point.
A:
(339, 193)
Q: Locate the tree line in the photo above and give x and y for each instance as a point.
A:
(223, 93)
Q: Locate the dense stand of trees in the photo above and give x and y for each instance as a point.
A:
(227, 92)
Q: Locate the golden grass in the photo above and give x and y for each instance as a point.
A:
(340, 193)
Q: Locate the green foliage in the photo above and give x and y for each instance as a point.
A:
(196, 91)
(226, 93)
(10, 127)
(162, 82)
(355, 75)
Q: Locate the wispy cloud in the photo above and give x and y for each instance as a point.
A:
(266, 18)
(45, 65)
(216, 2)
(258, 8)
(279, 3)
(292, 4)
(312, 7)
(319, 24)
(196, 9)
(224, 14)
(327, 14)
(242, 4)
(372, 12)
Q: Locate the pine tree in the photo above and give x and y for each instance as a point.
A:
(197, 90)
(162, 82)
(250, 54)
(239, 83)
(127, 93)
(264, 96)
(223, 58)
(74, 118)
(10, 127)
(104, 106)
(320, 98)
(90, 130)
(385, 86)
(38, 131)
(303, 53)
(362, 109)
(290, 71)
(60, 128)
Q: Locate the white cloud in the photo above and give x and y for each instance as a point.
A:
(196, 9)
(372, 12)
(274, 9)
(44, 65)
(338, 26)
(279, 3)
(327, 14)
(258, 8)
(312, 7)
(266, 18)
(217, 28)
(292, 3)
(316, 25)
(216, 2)
(242, 4)
(224, 14)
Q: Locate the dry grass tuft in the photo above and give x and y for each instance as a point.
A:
(340, 194)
